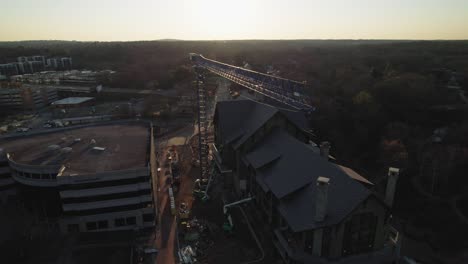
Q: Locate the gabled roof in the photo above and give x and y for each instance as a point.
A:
(231, 115)
(290, 168)
(239, 119)
(353, 174)
(293, 160)
(343, 197)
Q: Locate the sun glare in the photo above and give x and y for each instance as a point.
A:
(213, 19)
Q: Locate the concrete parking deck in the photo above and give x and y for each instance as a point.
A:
(85, 150)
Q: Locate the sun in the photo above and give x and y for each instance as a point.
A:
(217, 19)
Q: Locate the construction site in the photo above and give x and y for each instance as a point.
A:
(234, 171)
(252, 186)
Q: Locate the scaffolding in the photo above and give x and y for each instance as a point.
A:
(203, 125)
(288, 92)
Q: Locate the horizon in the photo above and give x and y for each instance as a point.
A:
(207, 20)
(225, 40)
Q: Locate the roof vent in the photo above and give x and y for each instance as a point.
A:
(2, 154)
(66, 150)
(325, 149)
(53, 147)
(99, 149)
(313, 146)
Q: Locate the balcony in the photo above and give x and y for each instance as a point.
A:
(287, 247)
(218, 160)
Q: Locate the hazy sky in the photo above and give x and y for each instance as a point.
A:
(233, 19)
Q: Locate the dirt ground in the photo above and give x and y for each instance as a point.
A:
(238, 246)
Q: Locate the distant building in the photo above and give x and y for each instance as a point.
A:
(53, 63)
(93, 178)
(20, 67)
(72, 102)
(7, 184)
(316, 210)
(66, 63)
(65, 107)
(22, 59)
(40, 59)
(37, 66)
(8, 69)
(71, 79)
(29, 65)
(26, 98)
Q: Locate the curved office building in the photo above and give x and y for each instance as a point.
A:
(7, 184)
(90, 178)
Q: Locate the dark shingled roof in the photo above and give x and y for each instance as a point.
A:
(291, 171)
(241, 118)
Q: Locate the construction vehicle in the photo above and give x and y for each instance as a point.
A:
(203, 185)
(200, 195)
(201, 189)
(187, 255)
(184, 212)
(228, 225)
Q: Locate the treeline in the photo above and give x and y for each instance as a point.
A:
(380, 103)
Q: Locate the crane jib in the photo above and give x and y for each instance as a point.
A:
(286, 91)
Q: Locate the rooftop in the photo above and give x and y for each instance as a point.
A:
(241, 118)
(73, 100)
(123, 146)
(289, 170)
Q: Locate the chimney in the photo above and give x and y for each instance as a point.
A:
(3, 156)
(321, 198)
(393, 174)
(325, 149)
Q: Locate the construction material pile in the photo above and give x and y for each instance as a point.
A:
(195, 235)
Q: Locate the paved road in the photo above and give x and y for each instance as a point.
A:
(164, 239)
(71, 88)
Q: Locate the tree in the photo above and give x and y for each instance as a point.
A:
(363, 98)
(404, 94)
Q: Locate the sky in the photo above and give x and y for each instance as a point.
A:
(120, 20)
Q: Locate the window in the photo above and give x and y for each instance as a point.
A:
(73, 228)
(131, 220)
(148, 217)
(125, 221)
(102, 224)
(326, 241)
(359, 234)
(91, 226)
(119, 222)
(309, 241)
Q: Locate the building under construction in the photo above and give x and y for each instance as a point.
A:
(316, 210)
